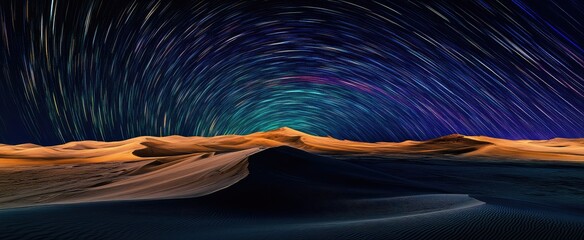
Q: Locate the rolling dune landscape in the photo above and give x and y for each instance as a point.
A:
(294, 185)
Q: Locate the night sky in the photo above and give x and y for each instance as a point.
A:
(360, 70)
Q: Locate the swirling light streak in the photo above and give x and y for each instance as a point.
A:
(369, 71)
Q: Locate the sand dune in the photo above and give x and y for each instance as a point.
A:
(293, 185)
(191, 176)
(286, 193)
(168, 177)
(177, 166)
(148, 148)
(201, 174)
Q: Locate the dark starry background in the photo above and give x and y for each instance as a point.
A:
(369, 71)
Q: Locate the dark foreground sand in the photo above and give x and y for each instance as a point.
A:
(287, 193)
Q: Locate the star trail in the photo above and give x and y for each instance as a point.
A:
(359, 70)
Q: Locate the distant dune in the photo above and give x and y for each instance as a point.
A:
(148, 148)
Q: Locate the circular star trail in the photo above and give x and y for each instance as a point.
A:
(368, 71)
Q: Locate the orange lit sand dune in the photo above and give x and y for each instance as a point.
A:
(148, 148)
(177, 167)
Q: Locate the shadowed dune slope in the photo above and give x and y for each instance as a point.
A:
(285, 178)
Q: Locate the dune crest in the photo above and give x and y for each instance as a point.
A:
(190, 176)
(148, 148)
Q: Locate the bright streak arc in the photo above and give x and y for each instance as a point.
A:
(377, 71)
